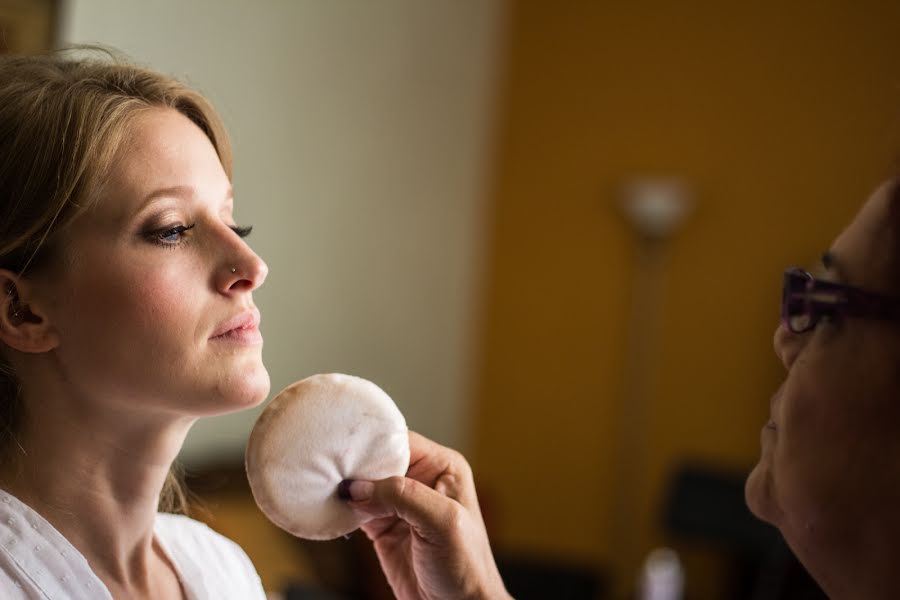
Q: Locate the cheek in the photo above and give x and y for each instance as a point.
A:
(825, 428)
(122, 306)
(158, 303)
(812, 419)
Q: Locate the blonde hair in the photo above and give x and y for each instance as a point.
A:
(63, 118)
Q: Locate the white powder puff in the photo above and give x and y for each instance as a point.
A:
(314, 434)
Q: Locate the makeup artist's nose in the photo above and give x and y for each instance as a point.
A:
(787, 345)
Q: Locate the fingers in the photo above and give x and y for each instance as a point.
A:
(433, 516)
(421, 448)
(443, 469)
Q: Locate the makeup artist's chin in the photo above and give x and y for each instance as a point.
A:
(758, 490)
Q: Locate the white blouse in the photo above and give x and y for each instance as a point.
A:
(37, 562)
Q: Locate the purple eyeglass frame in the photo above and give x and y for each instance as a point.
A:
(804, 296)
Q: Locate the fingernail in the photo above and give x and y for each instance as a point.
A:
(343, 489)
(350, 489)
(357, 491)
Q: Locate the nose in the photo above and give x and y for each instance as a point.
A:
(241, 269)
(786, 344)
(250, 275)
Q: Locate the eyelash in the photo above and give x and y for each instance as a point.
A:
(159, 236)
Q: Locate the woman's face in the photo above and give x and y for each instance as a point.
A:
(152, 276)
(829, 453)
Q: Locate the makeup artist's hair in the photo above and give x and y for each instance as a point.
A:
(63, 118)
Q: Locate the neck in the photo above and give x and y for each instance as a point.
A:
(97, 480)
(859, 561)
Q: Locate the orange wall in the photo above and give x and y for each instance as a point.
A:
(782, 118)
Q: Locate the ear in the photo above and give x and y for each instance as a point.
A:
(23, 326)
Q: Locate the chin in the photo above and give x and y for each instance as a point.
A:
(241, 392)
(254, 389)
(758, 494)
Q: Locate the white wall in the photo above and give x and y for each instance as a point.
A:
(361, 133)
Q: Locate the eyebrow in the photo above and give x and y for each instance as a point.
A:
(176, 191)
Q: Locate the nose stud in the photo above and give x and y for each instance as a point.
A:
(234, 269)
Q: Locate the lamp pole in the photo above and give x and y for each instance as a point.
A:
(655, 208)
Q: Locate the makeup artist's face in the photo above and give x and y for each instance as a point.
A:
(154, 305)
(830, 452)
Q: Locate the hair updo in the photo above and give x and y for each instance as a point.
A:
(63, 118)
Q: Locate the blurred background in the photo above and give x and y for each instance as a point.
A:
(553, 232)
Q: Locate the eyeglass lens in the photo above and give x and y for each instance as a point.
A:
(796, 308)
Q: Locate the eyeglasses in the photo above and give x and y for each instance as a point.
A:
(805, 300)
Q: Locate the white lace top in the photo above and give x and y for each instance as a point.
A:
(37, 562)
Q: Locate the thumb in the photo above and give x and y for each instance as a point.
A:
(431, 514)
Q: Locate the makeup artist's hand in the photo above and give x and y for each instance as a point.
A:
(427, 527)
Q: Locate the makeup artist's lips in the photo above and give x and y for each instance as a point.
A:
(241, 329)
(775, 397)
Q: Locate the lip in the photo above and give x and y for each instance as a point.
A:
(774, 400)
(242, 328)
